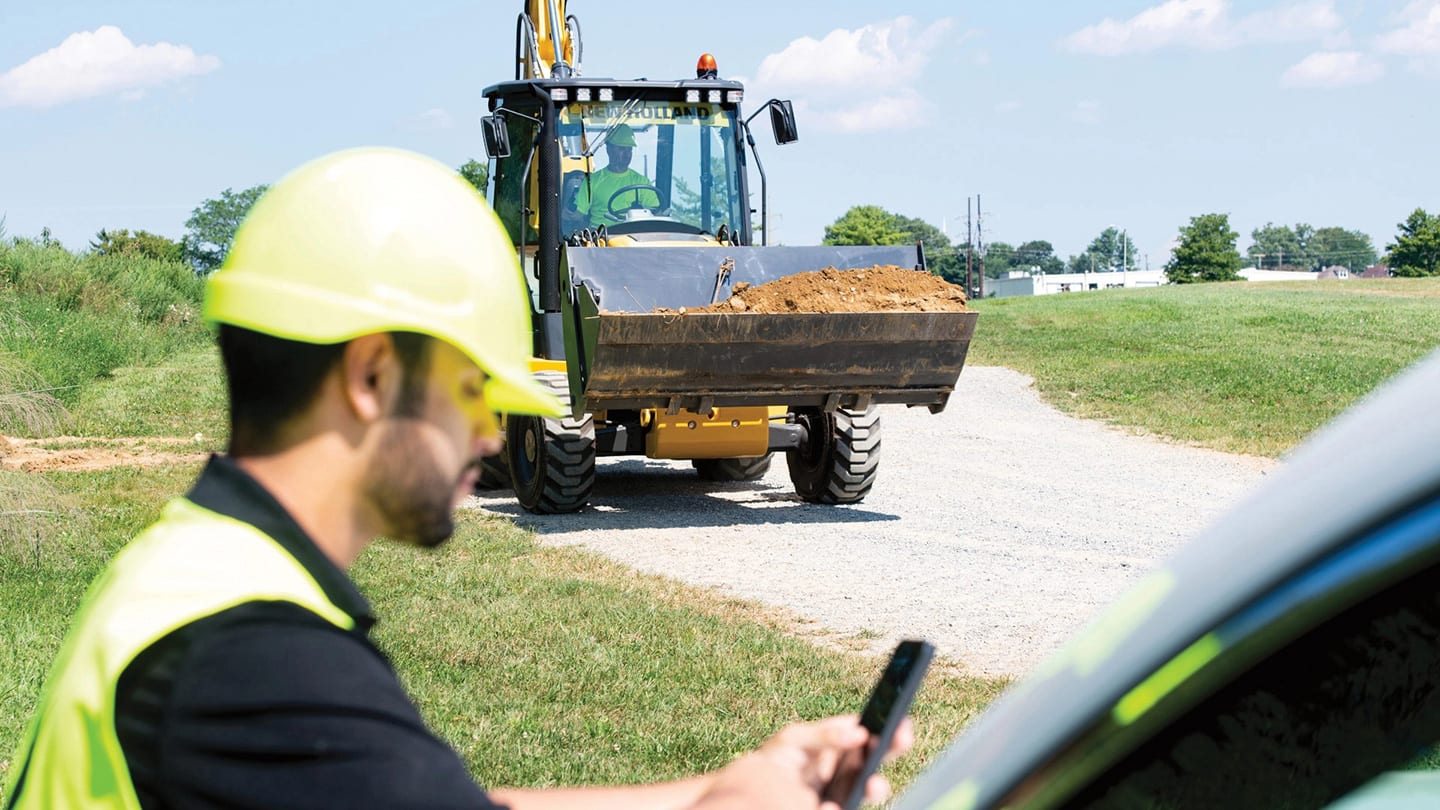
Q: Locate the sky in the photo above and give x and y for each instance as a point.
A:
(1062, 119)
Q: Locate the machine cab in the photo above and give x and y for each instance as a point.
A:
(618, 163)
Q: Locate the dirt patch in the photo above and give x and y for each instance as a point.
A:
(882, 288)
(74, 454)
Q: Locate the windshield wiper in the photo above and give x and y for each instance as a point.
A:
(605, 135)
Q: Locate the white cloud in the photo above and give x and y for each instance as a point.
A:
(97, 63)
(1297, 22)
(877, 114)
(1207, 24)
(1420, 36)
(882, 55)
(1153, 28)
(1333, 69)
(1006, 107)
(860, 80)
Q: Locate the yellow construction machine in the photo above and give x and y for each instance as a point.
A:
(604, 246)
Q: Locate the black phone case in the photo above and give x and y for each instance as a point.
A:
(888, 704)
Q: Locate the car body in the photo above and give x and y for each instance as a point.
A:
(1284, 658)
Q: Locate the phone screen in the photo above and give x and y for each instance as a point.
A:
(887, 706)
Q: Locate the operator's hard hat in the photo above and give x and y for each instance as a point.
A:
(383, 240)
(621, 135)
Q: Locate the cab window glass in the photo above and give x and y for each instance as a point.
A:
(510, 177)
(681, 156)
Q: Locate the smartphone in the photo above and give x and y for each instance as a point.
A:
(887, 706)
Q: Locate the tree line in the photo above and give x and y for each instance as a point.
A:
(1206, 249)
(212, 225)
(1112, 249)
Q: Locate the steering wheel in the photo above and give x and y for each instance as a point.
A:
(636, 187)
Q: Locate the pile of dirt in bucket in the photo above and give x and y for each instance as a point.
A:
(882, 288)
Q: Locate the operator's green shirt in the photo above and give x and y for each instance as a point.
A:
(602, 184)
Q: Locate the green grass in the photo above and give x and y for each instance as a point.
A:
(44, 573)
(75, 321)
(180, 397)
(541, 666)
(548, 666)
(1245, 368)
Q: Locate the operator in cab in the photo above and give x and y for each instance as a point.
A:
(600, 197)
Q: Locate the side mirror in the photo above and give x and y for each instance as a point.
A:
(782, 122)
(497, 136)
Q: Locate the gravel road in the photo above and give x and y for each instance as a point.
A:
(996, 529)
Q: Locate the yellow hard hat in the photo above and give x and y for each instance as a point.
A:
(622, 135)
(383, 240)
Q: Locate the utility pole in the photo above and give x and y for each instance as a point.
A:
(980, 238)
(1124, 259)
(969, 251)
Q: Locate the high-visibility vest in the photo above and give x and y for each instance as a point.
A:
(192, 563)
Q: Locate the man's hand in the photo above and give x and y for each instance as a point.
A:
(788, 771)
(792, 768)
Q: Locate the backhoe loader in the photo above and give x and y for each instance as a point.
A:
(628, 203)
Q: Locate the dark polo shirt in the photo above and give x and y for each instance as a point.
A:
(267, 705)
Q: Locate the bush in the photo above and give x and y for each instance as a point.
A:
(25, 406)
(141, 243)
(85, 316)
(151, 290)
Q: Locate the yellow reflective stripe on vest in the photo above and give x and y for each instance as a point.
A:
(190, 564)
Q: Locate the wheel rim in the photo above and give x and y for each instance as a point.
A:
(812, 453)
(530, 453)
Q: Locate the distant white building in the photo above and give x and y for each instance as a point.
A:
(1251, 274)
(1021, 282)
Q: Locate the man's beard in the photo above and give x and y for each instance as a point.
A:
(411, 494)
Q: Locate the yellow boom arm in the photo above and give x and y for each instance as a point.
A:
(547, 38)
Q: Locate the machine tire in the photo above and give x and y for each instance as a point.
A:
(841, 457)
(494, 473)
(551, 460)
(733, 469)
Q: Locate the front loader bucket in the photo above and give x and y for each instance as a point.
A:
(642, 279)
(632, 357)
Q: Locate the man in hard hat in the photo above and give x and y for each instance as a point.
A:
(600, 196)
(372, 320)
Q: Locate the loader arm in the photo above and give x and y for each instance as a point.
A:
(548, 42)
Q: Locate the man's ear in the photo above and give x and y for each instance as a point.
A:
(371, 376)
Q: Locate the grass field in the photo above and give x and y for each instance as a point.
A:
(542, 666)
(548, 666)
(1245, 368)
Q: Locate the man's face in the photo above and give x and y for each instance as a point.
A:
(427, 462)
(619, 157)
